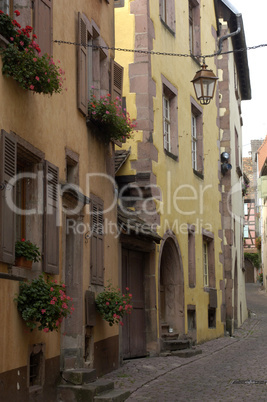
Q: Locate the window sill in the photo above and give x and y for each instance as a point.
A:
(171, 155)
(17, 273)
(198, 174)
(167, 27)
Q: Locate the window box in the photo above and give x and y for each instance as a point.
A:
(23, 263)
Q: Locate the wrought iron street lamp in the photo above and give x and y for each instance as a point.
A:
(204, 84)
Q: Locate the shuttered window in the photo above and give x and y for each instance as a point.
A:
(83, 60)
(97, 240)
(51, 219)
(194, 27)
(17, 156)
(167, 13)
(8, 167)
(116, 80)
(43, 25)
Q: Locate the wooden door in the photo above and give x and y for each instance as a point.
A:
(133, 331)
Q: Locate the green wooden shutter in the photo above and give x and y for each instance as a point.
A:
(51, 218)
(8, 169)
(82, 81)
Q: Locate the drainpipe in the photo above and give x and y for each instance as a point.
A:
(238, 20)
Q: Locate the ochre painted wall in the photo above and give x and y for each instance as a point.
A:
(177, 177)
(52, 124)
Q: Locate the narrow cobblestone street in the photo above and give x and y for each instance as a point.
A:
(229, 368)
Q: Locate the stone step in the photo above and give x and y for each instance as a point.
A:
(116, 395)
(186, 352)
(176, 344)
(78, 376)
(83, 393)
(171, 335)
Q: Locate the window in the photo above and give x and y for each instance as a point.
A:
(245, 208)
(5, 6)
(205, 264)
(72, 167)
(212, 317)
(94, 66)
(197, 137)
(97, 239)
(246, 232)
(191, 317)
(167, 124)
(191, 257)
(39, 14)
(194, 27)
(208, 259)
(43, 25)
(236, 149)
(36, 366)
(170, 119)
(167, 14)
(26, 177)
(194, 141)
(118, 3)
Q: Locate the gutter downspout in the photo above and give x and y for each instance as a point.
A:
(238, 20)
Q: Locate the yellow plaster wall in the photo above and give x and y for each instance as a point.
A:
(170, 174)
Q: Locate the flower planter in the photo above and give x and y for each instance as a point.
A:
(22, 262)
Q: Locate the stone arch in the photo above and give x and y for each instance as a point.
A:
(171, 284)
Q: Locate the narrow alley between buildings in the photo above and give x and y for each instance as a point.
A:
(229, 368)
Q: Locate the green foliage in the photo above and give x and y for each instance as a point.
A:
(24, 248)
(43, 304)
(260, 278)
(112, 305)
(11, 30)
(32, 72)
(22, 60)
(254, 258)
(258, 242)
(109, 117)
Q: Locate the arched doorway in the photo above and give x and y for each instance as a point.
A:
(171, 282)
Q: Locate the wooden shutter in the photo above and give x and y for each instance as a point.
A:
(116, 80)
(51, 217)
(97, 238)
(82, 90)
(8, 169)
(43, 25)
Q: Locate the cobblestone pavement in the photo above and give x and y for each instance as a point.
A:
(229, 368)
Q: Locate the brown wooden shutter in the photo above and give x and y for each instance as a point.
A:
(51, 211)
(8, 169)
(82, 65)
(43, 25)
(116, 80)
(97, 239)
